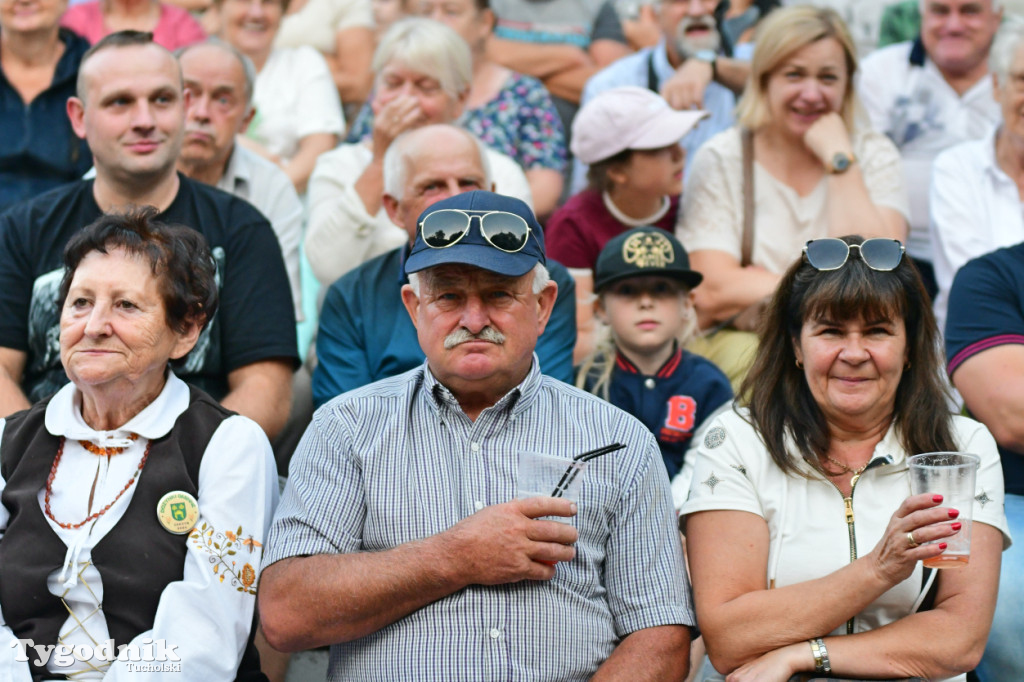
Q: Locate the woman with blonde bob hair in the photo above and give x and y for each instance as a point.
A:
(814, 170)
(807, 551)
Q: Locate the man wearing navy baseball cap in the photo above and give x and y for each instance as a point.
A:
(407, 512)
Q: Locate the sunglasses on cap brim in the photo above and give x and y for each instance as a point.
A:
(877, 253)
(447, 226)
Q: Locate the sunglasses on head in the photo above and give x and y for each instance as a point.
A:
(831, 253)
(447, 226)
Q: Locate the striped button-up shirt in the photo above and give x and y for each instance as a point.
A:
(399, 460)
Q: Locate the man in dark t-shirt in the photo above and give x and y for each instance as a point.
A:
(130, 109)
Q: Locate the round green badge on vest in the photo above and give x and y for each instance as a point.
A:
(178, 512)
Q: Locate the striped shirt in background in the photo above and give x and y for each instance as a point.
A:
(399, 460)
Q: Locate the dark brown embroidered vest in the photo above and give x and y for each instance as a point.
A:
(136, 559)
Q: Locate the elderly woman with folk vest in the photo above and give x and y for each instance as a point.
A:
(134, 507)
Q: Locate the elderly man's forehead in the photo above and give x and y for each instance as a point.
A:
(215, 56)
(441, 150)
(454, 274)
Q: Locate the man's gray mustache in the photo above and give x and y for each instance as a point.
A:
(462, 335)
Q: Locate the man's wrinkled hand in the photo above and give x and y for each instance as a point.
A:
(508, 542)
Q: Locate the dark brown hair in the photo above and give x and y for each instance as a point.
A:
(177, 255)
(781, 404)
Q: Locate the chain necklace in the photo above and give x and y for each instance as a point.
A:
(101, 512)
(103, 451)
(846, 469)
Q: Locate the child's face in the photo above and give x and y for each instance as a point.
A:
(651, 172)
(645, 314)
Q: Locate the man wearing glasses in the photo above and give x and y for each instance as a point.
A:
(365, 335)
(400, 540)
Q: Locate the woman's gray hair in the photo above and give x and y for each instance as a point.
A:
(428, 47)
(1008, 40)
(541, 277)
(396, 158)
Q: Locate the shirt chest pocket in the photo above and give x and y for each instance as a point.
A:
(594, 523)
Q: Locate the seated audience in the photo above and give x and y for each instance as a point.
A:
(343, 32)
(400, 519)
(507, 111)
(814, 174)
(975, 196)
(560, 42)
(423, 75)
(644, 298)
(164, 545)
(792, 571)
(219, 80)
(246, 353)
(171, 26)
(691, 66)
(298, 114)
(929, 94)
(39, 67)
(365, 334)
(630, 137)
(985, 356)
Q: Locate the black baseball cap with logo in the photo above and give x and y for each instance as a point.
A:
(644, 251)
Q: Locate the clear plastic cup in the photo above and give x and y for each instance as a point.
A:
(952, 475)
(543, 475)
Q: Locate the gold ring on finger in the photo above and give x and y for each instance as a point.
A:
(911, 540)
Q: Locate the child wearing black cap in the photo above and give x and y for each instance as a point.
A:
(643, 281)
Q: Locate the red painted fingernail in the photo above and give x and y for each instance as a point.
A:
(956, 526)
(943, 546)
(953, 513)
(936, 498)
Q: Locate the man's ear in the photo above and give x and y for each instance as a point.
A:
(391, 206)
(247, 120)
(545, 304)
(412, 304)
(76, 114)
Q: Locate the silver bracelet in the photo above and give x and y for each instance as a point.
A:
(822, 664)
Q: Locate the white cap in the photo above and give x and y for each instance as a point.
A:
(624, 118)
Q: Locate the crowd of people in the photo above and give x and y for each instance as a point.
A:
(728, 261)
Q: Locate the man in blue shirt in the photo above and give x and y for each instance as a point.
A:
(404, 538)
(365, 333)
(691, 67)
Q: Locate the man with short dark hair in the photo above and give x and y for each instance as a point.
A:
(365, 334)
(400, 540)
(130, 109)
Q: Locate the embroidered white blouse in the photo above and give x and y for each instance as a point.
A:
(204, 616)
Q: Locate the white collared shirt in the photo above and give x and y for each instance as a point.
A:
(975, 209)
(919, 111)
(251, 177)
(203, 615)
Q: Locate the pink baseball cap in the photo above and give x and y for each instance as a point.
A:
(624, 118)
